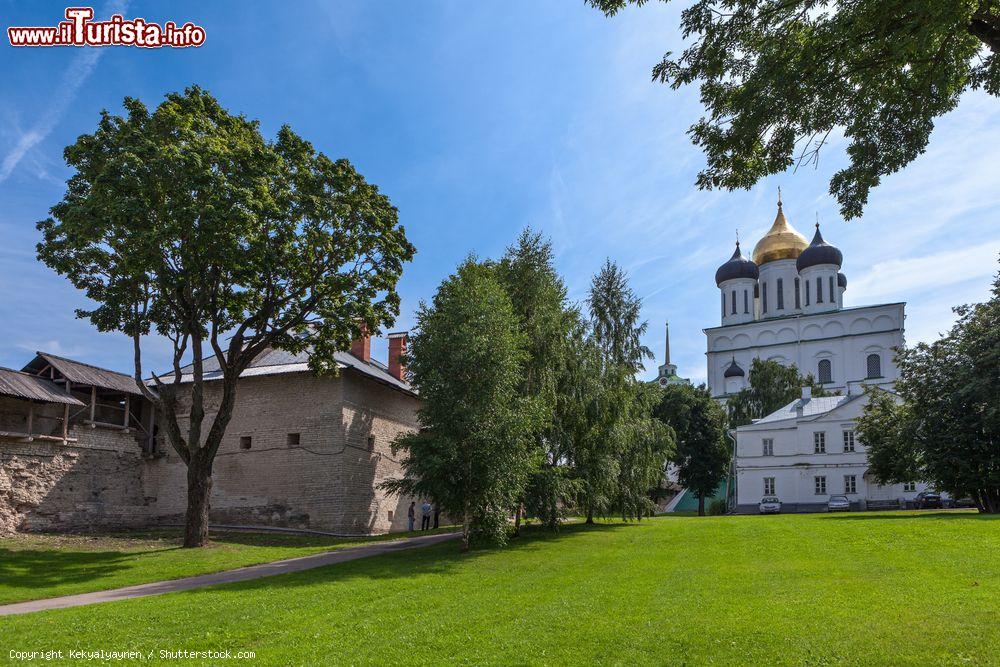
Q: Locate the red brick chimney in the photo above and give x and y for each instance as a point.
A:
(397, 348)
(362, 347)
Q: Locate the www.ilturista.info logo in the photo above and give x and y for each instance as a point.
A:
(80, 30)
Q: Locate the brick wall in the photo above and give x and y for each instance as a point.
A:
(327, 480)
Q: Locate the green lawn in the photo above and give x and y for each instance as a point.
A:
(880, 589)
(43, 566)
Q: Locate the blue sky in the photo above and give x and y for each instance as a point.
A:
(478, 119)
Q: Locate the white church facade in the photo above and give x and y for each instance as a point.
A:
(786, 304)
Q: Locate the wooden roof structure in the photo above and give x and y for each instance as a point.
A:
(26, 386)
(80, 373)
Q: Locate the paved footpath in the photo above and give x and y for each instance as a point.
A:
(229, 576)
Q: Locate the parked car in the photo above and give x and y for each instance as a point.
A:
(769, 505)
(838, 504)
(963, 502)
(927, 500)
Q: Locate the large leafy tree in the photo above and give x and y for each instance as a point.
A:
(185, 222)
(770, 386)
(474, 452)
(702, 455)
(946, 431)
(538, 297)
(630, 450)
(778, 77)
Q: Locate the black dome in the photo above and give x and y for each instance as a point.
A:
(738, 266)
(734, 371)
(841, 280)
(819, 252)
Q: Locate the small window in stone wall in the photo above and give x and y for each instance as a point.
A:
(245, 442)
(390, 516)
(371, 442)
(294, 439)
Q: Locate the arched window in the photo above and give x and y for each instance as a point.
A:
(874, 365)
(746, 301)
(763, 297)
(819, 290)
(807, 292)
(781, 295)
(825, 371)
(833, 299)
(798, 303)
(734, 302)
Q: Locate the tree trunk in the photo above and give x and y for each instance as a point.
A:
(701, 505)
(517, 519)
(590, 515)
(466, 528)
(199, 480)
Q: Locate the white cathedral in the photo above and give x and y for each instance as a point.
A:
(786, 304)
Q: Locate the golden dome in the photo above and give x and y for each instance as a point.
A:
(780, 242)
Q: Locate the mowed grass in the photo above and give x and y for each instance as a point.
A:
(878, 589)
(42, 566)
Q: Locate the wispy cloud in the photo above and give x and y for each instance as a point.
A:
(907, 277)
(79, 70)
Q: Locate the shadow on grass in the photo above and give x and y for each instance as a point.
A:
(437, 559)
(36, 568)
(953, 515)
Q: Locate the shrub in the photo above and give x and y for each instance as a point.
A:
(717, 506)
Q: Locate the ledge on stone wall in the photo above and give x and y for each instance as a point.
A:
(27, 437)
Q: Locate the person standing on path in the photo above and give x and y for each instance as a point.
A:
(425, 522)
(411, 514)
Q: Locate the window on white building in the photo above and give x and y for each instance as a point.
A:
(781, 294)
(746, 301)
(825, 369)
(873, 365)
(734, 302)
(848, 441)
(763, 297)
(819, 442)
(819, 290)
(798, 302)
(909, 487)
(807, 292)
(850, 484)
(768, 446)
(769, 486)
(820, 485)
(833, 299)
(723, 304)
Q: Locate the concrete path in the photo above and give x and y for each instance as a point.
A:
(229, 576)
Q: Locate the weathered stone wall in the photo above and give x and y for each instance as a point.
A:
(92, 483)
(327, 480)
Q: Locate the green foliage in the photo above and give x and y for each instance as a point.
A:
(702, 454)
(778, 78)
(717, 507)
(885, 428)
(186, 222)
(538, 296)
(771, 385)
(474, 453)
(629, 451)
(947, 430)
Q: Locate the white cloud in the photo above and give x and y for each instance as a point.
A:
(906, 278)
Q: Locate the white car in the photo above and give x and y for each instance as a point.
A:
(769, 505)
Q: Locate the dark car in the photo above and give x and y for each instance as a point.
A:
(928, 500)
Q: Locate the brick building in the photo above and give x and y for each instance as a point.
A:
(300, 451)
